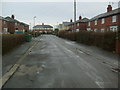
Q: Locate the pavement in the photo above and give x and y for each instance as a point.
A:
(9, 59)
(57, 63)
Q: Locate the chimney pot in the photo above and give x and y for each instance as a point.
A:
(109, 8)
(13, 17)
(71, 20)
(80, 17)
(42, 23)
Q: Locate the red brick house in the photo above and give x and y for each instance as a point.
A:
(43, 28)
(108, 21)
(81, 24)
(3, 25)
(11, 25)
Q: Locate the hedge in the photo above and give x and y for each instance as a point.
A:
(10, 41)
(104, 40)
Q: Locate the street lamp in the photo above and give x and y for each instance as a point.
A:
(34, 25)
(34, 19)
(30, 25)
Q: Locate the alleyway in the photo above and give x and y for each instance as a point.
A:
(57, 63)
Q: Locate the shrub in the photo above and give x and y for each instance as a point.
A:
(104, 40)
(10, 41)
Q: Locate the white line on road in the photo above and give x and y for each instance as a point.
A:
(100, 84)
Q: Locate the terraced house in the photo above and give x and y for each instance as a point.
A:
(11, 25)
(108, 21)
(43, 28)
(80, 24)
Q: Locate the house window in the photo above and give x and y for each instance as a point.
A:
(4, 22)
(88, 23)
(113, 18)
(103, 21)
(113, 28)
(16, 24)
(5, 30)
(95, 30)
(88, 29)
(78, 24)
(95, 22)
(102, 30)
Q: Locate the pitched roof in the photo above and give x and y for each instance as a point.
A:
(14, 20)
(66, 23)
(1, 17)
(10, 19)
(23, 24)
(42, 26)
(83, 20)
(113, 12)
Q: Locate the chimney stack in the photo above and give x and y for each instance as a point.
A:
(13, 17)
(80, 17)
(109, 8)
(42, 23)
(70, 20)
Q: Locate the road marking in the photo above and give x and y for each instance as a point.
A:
(9, 74)
(80, 52)
(100, 84)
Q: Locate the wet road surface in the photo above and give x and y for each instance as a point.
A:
(59, 63)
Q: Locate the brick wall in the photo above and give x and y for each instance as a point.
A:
(106, 25)
(26, 28)
(11, 27)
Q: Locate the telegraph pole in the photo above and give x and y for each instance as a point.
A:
(75, 15)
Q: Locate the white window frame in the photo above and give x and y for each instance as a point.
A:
(4, 22)
(88, 29)
(95, 30)
(113, 28)
(103, 21)
(102, 30)
(114, 18)
(95, 22)
(88, 23)
(5, 30)
(15, 24)
(78, 24)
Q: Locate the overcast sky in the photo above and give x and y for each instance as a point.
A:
(52, 12)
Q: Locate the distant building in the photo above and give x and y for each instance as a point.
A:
(43, 28)
(80, 24)
(11, 25)
(108, 21)
(65, 26)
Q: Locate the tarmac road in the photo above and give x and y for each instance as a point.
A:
(59, 63)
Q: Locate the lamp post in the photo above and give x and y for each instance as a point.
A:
(34, 25)
(30, 26)
(34, 19)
